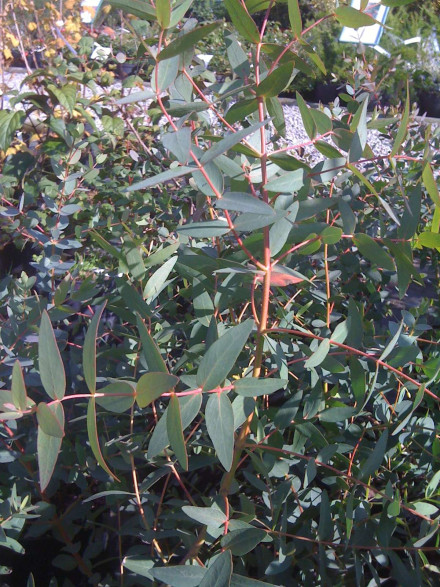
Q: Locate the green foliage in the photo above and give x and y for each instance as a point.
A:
(221, 367)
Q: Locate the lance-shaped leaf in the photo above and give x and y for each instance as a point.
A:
(295, 17)
(243, 540)
(307, 118)
(189, 408)
(152, 385)
(242, 202)
(207, 516)
(179, 11)
(92, 431)
(187, 41)
(137, 97)
(241, 109)
(139, 8)
(401, 133)
(220, 425)
(222, 355)
(164, 74)
(219, 572)
(179, 143)
(350, 17)
(252, 387)
(275, 82)
(163, 12)
(158, 280)
(431, 184)
(288, 183)
(207, 229)
(89, 350)
(319, 355)
(51, 419)
(374, 252)
(150, 349)
(242, 20)
(177, 576)
(51, 366)
(376, 456)
(163, 177)
(175, 432)
(230, 141)
(394, 3)
(18, 387)
(48, 448)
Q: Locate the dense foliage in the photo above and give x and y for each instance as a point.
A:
(219, 358)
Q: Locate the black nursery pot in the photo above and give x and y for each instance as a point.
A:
(325, 92)
(429, 103)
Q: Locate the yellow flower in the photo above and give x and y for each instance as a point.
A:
(7, 53)
(50, 53)
(32, 26)
(71, 26)
(13, 40)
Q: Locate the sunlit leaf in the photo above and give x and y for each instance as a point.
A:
(242, 20)
(350, 17)
(295, 17)
(163, 12)
(186, 41)
(222, 355)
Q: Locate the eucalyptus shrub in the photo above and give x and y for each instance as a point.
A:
(245, 393)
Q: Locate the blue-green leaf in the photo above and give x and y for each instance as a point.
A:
(51, 419)
(119, 397)
(242, 202)
(152, 385)
(18, 388)
(92, 431)
(175, 432)
(89, 350)
(51, 366)
(149, 348)
(219, 572)
(222, 355)
(220, 425)
(48, 448)
(242, 541)
(252, 387)
(376, 456)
